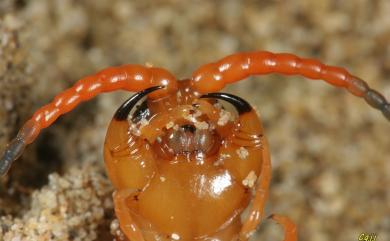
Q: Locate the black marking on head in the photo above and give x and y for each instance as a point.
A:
(189, 127)
(240, 104)
(124, 110)
(141, 112)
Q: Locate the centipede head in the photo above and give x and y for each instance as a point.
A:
(184, 123)
(212, 140)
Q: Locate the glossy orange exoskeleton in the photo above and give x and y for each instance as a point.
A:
(183, 166)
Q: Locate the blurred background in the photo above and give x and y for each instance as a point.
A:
(330, 150)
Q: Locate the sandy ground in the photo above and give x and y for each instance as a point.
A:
(330, 150)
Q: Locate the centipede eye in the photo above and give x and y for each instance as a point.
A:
(124, 110)
(240, 104)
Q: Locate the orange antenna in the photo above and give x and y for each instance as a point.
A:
(214, 76)
(126, 77)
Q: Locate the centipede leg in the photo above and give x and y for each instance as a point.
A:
(126, 223)
(290, 229)
(257, 211)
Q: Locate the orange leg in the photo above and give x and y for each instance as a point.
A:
(290, 229)
(126, 222)
(257, 211)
